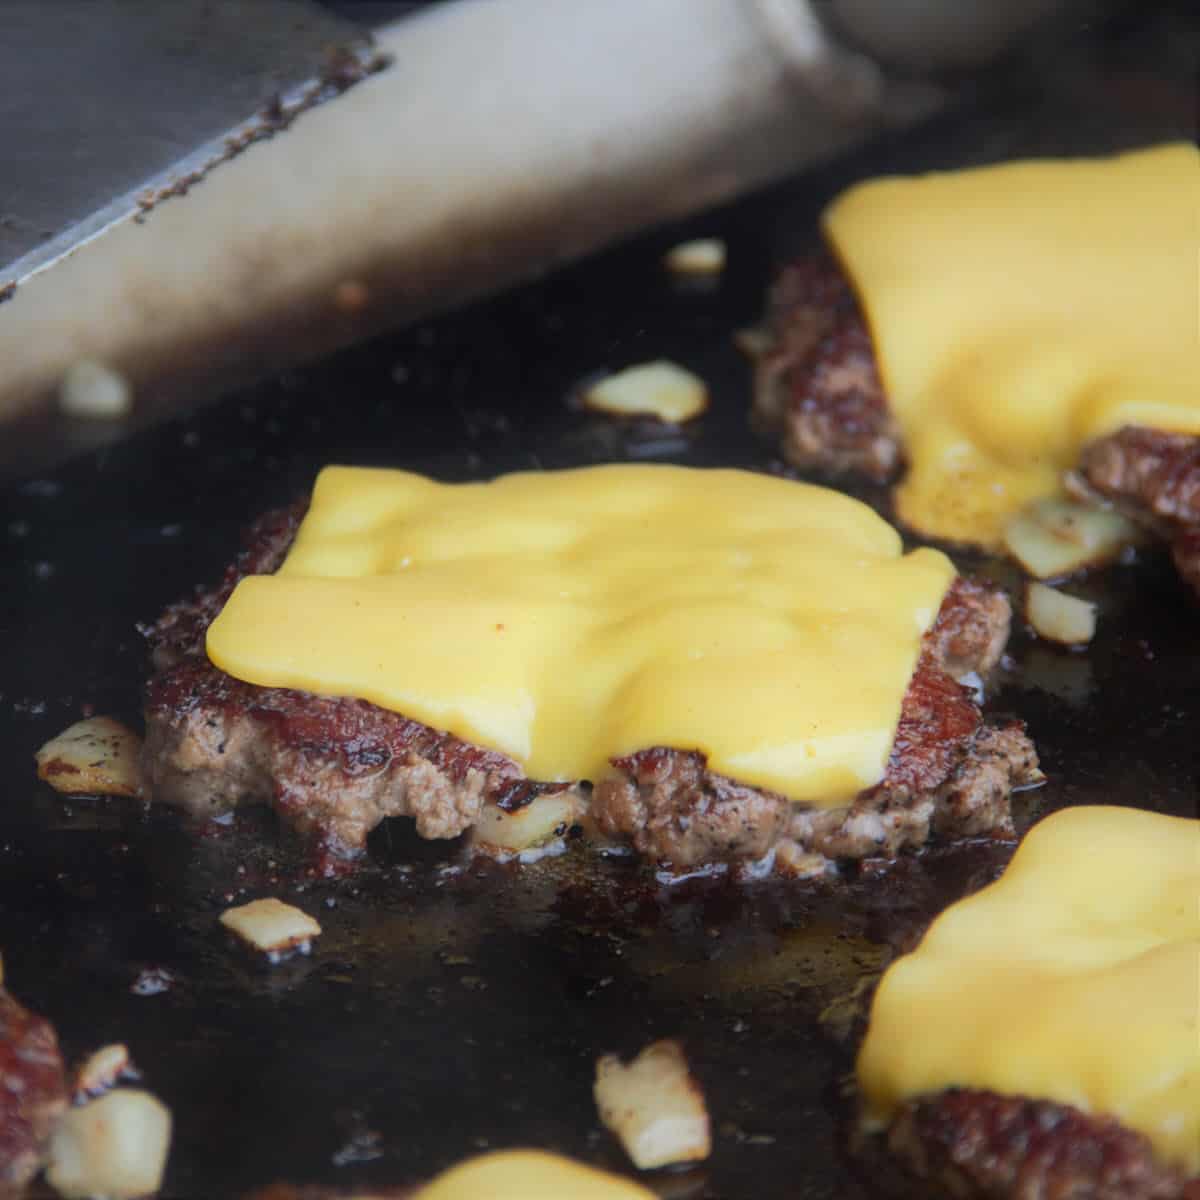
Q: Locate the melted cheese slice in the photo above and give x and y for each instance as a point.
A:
(1074, 978)
(1021, 311)
(565, 618)
(529, 1175)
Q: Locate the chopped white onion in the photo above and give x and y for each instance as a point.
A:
(272, 926)
(543, 818)
(98, 756)
(658, 389)
(91, 389)
(113, 1148)
(654, 1106)
(701, 256)
(1056, 537)
(1058, 617)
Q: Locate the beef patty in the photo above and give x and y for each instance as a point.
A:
(1153, 477)
(334, 767)
(818, 388)
(964, 1144)
(33, 1093)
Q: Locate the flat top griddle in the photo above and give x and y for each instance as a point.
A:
(452, 1006)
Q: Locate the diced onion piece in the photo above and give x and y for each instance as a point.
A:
(659, 389)
(1058, 617)
(795, 863)
(102, 1069)
(654, 1106)
(702, 256)
(91, 389)
(271, 926)
(98, 756)
(115, 1147)
(543, 818)
(754, 343)
(1056, 537)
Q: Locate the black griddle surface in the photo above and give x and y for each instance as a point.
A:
(451, 1007)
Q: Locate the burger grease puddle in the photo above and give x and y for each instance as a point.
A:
(1019, 312)
(1073, 978)
(568, 618)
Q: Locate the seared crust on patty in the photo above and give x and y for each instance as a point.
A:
(334, 767)
(818, 385)
(33, 1092)
(963, 1144)
(1154, 478)
(1152, 475)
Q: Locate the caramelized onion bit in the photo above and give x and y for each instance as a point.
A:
(98, 756)
(543, 819)
(102, 1070)
(1056, 537)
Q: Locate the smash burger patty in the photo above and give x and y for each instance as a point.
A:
(818, 387)
(1081, 1096)
(333, 768)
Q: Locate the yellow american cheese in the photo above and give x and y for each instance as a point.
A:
(1074, 978)
(529, 1175)
(567, 617)
(1020, 311)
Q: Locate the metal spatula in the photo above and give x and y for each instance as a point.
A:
(105, 103)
